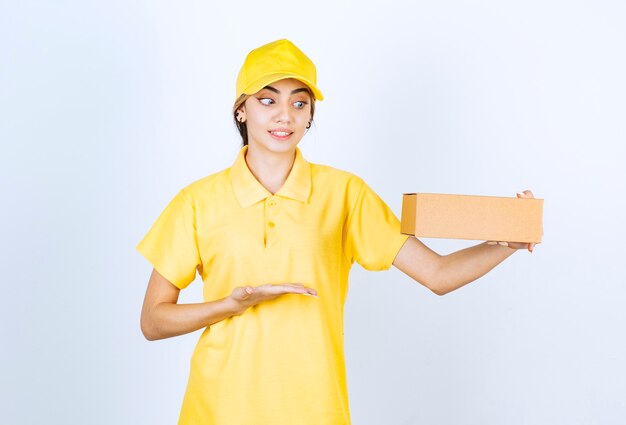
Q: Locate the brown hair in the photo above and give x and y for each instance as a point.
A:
(243, 128)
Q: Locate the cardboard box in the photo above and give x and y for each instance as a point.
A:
(487, 218)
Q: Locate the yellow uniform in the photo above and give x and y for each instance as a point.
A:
(282, 361)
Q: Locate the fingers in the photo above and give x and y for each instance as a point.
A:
(294, 288)
(243, 292)
(515, 245)
(284, 288)
(525, 194)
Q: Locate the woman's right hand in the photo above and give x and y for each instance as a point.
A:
(244, 297)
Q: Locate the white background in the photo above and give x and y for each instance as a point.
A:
(108, 109)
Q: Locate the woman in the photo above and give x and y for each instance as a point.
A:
(273, 238)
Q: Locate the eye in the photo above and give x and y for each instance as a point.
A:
(300, 104)
(266, 100)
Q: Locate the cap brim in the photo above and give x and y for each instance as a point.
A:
(269, 79)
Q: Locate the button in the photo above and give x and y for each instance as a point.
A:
(270, 223)
(273, 203)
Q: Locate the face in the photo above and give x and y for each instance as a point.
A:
(277, 116)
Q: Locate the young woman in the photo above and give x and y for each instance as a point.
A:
(273, 238)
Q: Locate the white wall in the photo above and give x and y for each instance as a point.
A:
(107, 109)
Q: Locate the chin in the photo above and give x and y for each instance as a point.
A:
(275, 146)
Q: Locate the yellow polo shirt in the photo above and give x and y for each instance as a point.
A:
(282, 361)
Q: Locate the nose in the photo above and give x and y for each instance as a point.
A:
(283, 112)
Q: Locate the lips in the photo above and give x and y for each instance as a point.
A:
(280, 133)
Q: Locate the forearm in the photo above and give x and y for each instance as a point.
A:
(166, 320)
(462, 267)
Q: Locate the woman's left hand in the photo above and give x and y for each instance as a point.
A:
(518, 245)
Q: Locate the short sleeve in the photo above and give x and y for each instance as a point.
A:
(171, 244)
(373, 237)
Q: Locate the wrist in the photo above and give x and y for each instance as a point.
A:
(232, 306)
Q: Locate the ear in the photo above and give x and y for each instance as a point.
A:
(241, 114)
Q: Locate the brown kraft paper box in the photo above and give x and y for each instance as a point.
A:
(487, 218)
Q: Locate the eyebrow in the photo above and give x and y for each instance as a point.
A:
(292, 92)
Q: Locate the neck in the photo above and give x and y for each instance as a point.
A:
(270, 169)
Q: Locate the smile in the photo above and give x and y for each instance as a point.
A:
(281, 134)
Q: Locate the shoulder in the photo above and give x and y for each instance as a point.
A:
(208, 187)
(344, 186)
(335, 178)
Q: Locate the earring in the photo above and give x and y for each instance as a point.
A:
(308, 125)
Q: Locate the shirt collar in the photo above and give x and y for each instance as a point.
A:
(249, 191)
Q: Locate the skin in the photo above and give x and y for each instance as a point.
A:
(284, 105)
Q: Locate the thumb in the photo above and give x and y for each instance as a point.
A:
(244, 292)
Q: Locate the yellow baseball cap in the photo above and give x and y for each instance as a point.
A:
(275, 61)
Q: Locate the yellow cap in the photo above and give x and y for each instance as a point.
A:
(275, 61)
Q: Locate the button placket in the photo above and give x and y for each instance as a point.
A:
(272, 208)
